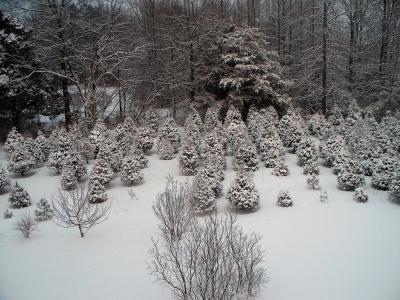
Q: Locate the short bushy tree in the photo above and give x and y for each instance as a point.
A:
(13, 139)
(102, 172)
(131, 172)
(20, 161)
(19, 197)
(97, 192)
(55, 162)
(188, 158)
(144, 141)
(284, 199)
(242, 193)
(5, 181)
(202, 196)
(360, 194)
(43, 211)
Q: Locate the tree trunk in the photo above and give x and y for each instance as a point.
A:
(80, 230)
(324, 58)
(351, 46)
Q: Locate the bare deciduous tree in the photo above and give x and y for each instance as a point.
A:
(72, 209)
(212, 258)
(26, 225)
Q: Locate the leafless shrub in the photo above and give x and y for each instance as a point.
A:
(208, 258)
(26, 225)
(172, 209)
(132, 194)
(7, 214)
(72, 209)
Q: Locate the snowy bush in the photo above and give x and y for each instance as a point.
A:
(19, 198)
(360, 194)
(7, 214)
(335, 117)
(384, 172)
(211, 119)
(202, 197)
(306, 151)
(64, 143)
(56, 161)
(144, 139)
(342, 157)
(315, 124)
(43, 211)
(284, 199)
(26, 225)
(394, 193)
(97, 192)
(43, 144)
(271, 150)
(74, 162)
(245, 157)
(212, 173)
(96, 136)
(291, 130)
(20, 160)
(330, 148)
(122, 139)
(170, 130)
(13, 139)
(102, 172)
(311, 168)
(280, 168)
(350, 176)
(313, 181)
(4, 180)
(242, 193)
(131, 172)
(151, 122)
(140, 157)
(34, 151)
(130, 128)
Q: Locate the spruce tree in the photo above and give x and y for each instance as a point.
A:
(330, 148)
(188, 158)
(68, 178)
(130, 128)
(242, 193)
(101, 172)
(151, 122)
(131, 172)
(306, 151)
(43, 144)
(139, 156)
(170, 130)
(350, 177)
(13, 139)
(56, 161)
(384, 172)
(165, 148)
(394, 193)
(64, 142)
(311, 168)
(20, 161)
(34, 151)
(145, 141)
(5, 181)
(97, 135)
(122, 139)
(271, 149)
(43, 211)
(313, 181)
(97, 192)
(19, 197)
(245, 157)
(202, 197)
(360, 195)
(74, 161)
(340, 160)
(280, 168)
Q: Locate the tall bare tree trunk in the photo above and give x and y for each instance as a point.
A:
(324, 57)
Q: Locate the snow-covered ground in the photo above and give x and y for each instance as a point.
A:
(336, 250)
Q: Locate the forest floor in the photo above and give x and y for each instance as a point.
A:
(335, 250)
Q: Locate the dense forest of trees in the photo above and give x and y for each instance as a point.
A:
(169, 53)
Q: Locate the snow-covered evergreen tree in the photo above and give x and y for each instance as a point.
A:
(335, 116)
(315, 124)
(211, 119)
(329, 149)
(165, 148)
(280, 168)
(130, 128)
(192, 130)
(5, 181)
(213, 146)
(68, 178)
(188, 158)
(53, 139)
(139, 156)
(384, 172)
(86, 149)
(131, 172)
(202, 197)
(13, 139)
(43, 144)
(313, 181)
(20, 160)
(291, 130)
(311, 168)
(341, 158)
(360, 194)
(43, 211)
(284, 199)
(271, 149)
(56, 161)
(35, 151)
(306, 151)
(212, 172)
(97, 192)
(19, 197)
(151, 122)
(242, 193)
(64, 142)
(245, 157)
(109, 151)
(74, 161)
(170, 130)
(97, 135)
(145, 141)
(233, 116)
(122, 139)
(102, 172)
(350, 176)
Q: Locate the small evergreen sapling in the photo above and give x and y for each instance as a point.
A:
(97, 192)
(43, 144)
(131, 172)
(144, 139)
(20, 161)
(5, 181)
(311, 168)
(313, 181)
(242, 193)
(245, 157)
(139, 156)
(360, 194)
(170, 130)
(384, 172)
(151, 122)
(13, 139)
(43, 211)
(350, 176)
(330, 148)
(74, 161)
(280, 169)
(165, 148)
(306, 151)
(19, 197)
(34, 151)
(284, 199)
(64, 142)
